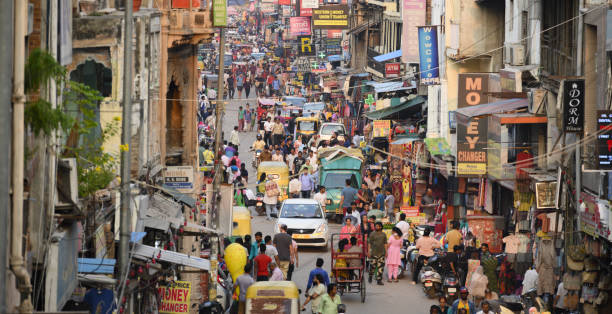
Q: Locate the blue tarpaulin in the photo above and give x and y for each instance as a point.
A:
(388, 56)
(334, 58)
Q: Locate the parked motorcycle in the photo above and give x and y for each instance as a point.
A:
(520, 304)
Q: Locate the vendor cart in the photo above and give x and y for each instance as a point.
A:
(348, 279)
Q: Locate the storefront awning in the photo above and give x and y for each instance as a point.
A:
(438, 146)
(180, 197)
(388, 56)
(334, 58)
(393, 112)
(501, 106)
(145, 252)
(386, 87)
(96, 265)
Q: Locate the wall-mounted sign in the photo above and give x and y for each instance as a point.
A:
(472, 147)
(546, 193)
(428, 55)
(179, 177)
(175, 298)
(305, 46)
(267, 7)
(299, 26)
(413, 15)
(330, 17)
(604, 139)
(219, 13)
(310, 4)
(304, 9)
(381, 128)
(573, 106)
(392, 69)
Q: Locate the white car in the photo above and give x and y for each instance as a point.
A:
(328, 129)
(305, 219)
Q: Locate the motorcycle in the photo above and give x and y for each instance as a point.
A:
(520, 304)
(451, 287)
(430, 276)
(260, 208)
(256, 159)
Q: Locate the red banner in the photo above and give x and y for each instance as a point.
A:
(299, 26)
(392, 69)
(334, 33)
(184, 4)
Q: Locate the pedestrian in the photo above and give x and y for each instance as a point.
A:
(307, 184)
(255, 245)
(271, 249)
(277, 156)
(298, 162)
(403, 225)
(425, 245)
(376, 253)
(234, 137)
(485, 308)
(348, 195)
(253, 120)
(247, 88)
(394, 259)
(453, 237)
(278, 131)
(243, 282)
(283, 241)
(463, 303)
(268, 125)
(230, 86)
(330, 300)
(477, 285)
(247, 119)
(240, 84)
(317, 271)
(443, 305)
(262, 262)
(389, 205)
(276, 273)
(295, 187)
(240, 119)
(349, 229)
(294, 263)
(271, 197)
(314, 294)
(321, 197)
(559, 303)
(380, 200)
(244, 173)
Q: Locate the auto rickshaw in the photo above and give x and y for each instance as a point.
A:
(277, 171)
(273, 297)
(241, 221)
(306, 127)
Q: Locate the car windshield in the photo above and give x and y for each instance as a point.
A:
(338, 180)
(314, 107)
(331, 128)
(301, 211)
(307, 126)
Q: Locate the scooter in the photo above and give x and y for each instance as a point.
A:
(256, 159)
(260, 208)
(520, 304)
(451, 287)
(430, 276)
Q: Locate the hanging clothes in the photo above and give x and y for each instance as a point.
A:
(507, 275)
(545, 262)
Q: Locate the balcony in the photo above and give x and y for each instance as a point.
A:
(184, 23)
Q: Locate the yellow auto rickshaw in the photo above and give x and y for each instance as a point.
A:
(277, 171)
(241, 218)
(273, 297)
(306, 127)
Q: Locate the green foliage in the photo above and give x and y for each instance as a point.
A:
(95, 168)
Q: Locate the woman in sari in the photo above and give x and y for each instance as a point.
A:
(348, 229)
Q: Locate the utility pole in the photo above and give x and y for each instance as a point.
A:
(218, 178)
(125, 232)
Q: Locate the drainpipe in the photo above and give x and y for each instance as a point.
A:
(17, 260)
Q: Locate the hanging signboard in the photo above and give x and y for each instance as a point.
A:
(175, 297)
(591, 221)
(392, 69)
(410, 211)
(304, 9)
(573, 106)
(381, 128)
(284, 2)
(299, 26)
(330, 17)
(428, 55)
(472, 147)
(219, 13)
(179, 177)
(604, 139)
(546, 193)
(413, 15)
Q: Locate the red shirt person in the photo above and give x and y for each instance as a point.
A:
(262, 262)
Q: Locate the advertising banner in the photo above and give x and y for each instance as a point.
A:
(310, 4)
(573, 106)
(305, 46)
(268, 7)
(381, 128)
(330, 17)
(392, 69)
(334, 33)
(472, 147)
(410, 211)
(299, 26)
(306, 11)
(413, 15)
(428, 55)
(175, 298)
(284, 2)
(219, 13)
(604, 139)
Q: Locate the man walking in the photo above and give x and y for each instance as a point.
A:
(377, 253)
(262, 262)
(348, 196)
(271, 197)
(307, 184)
(240, 119)
(317, 271)
(283, 241)
(243, 282)
(234, 137)
(390, 205)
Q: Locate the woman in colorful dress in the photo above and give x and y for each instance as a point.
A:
(394, 259)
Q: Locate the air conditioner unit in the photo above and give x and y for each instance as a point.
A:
(67, 185)
(514, 54)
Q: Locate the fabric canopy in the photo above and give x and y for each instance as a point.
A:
(501, 106)
(388, 56)
(438, 146)
(393, 111)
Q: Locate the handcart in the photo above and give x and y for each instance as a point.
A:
(348, 279)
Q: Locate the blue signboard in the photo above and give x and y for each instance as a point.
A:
(428, 54)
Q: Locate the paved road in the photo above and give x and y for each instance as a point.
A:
(402, 297)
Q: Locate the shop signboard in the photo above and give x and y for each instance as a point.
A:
(392, 69)
(305, 10)
(286, 11)
(334, 33)
(179, 177)
(299, 26)
(310, 4)
(184, 4)
(472, 147)
(284, 2)
(219, 13)
(604, 139)
(381, 128)
(267, 7)
(428, 55)
(330, 17)
(573, 106)
(413, 15)
(410, 211)
(474, 88)
(305, 46)
(546, 194)
(175, 297)
(590, 218)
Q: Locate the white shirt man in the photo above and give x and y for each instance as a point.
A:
(321, 197)
(212, 94)
(290, 159)
(277, 156)
(404, 226)
(295, 186)
(268, 126)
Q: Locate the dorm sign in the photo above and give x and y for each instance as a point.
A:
(175, 298)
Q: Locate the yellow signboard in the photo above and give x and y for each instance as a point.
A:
(471, 169)
(381, 128)
(175, 298)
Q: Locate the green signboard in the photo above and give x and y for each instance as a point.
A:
(219, 13)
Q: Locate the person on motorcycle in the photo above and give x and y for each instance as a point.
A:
(265, 154)
(463, 303)
(426, 246)
(457, 262)
(259, 144)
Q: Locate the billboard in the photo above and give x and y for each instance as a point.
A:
(330, 17)
(573, 106)
(310, 4)
(428, 55)
(305, 10)
(299, 26)
(413, 15)
(472, 147)
(305, 45)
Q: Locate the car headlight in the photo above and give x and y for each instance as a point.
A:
(322, 228)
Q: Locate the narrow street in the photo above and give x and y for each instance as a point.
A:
(395, 297)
